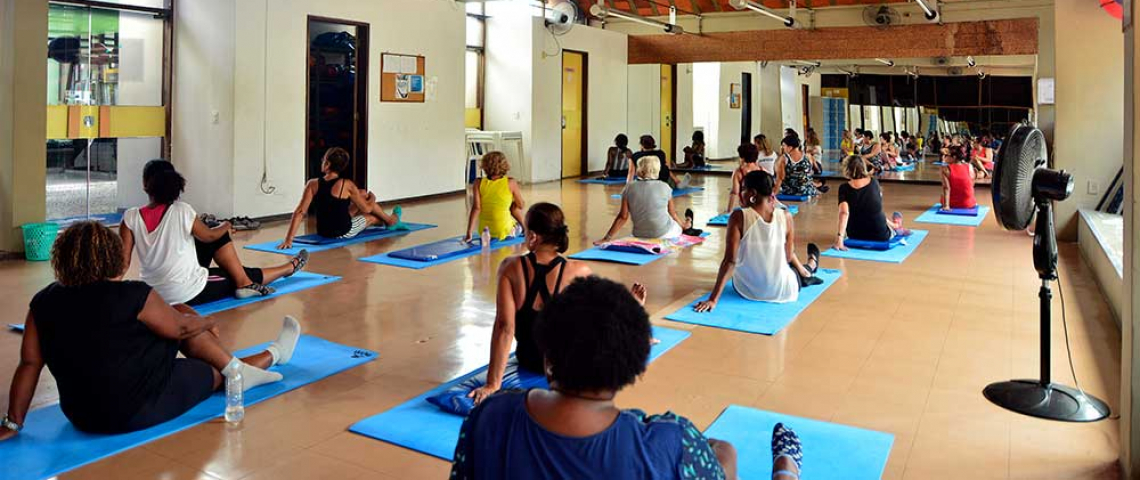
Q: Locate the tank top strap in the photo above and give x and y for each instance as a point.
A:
(561, 262)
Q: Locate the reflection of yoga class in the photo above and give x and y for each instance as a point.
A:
(568, 239)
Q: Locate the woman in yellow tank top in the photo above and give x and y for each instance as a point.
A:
(498, 203)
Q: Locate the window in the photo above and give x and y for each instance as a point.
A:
(473, 65)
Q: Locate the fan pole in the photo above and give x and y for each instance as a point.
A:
(1042, 398)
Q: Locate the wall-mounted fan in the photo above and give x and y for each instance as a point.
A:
(1024, 186)
(561, 17)
(881, 16)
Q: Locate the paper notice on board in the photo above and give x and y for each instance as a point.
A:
(392, 64)
(408, 65)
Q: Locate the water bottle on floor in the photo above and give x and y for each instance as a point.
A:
(235, 408)
(485, 239)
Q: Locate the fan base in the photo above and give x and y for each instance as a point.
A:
(1050, 401)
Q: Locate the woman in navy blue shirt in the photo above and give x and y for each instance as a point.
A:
(596, 339)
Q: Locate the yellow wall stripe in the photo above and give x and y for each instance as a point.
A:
(66, 121)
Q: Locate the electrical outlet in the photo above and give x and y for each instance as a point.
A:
(215, 117)
(1094, 187)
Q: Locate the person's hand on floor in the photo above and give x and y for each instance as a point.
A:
(481, 393)
(705, 306)
(287, 244)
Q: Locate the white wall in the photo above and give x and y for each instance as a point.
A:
(683, 111)
(644, 102)
(254, 78)
(790, 108)
(728, 130)
(508, 74)
(771, 104)
(706, 105)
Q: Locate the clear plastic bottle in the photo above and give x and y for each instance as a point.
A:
(235, 398)
(485, 239)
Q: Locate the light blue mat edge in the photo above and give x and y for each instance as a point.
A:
(385, 259)
(271, 247)
(599, 254)
(722, 219)
(832, 451)
(768, 326)
(298, 282)
(253, 397)
(931, 215)
(894, 255)
(376, 427)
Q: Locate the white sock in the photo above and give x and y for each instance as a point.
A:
(282, 349)
(251, 375)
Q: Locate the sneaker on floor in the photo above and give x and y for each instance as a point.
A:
(253, 290)
(210, 220)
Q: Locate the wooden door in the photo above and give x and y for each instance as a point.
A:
(573, 112)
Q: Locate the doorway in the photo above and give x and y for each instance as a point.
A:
(337, 114)
(574, 77)
(805, 107)
(668, 126)
(745, 108)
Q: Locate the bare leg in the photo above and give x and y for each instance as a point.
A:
(205, 347)
(271, 274)
(726, 455)
(227, 258)
(785, 464)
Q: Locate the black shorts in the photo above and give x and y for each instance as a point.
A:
(191, 382)
(207, 250)
(220, 286)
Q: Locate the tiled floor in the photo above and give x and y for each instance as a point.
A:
(905, 349)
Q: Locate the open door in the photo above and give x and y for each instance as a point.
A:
(337, 95)
(573, 113)
(668, 130)
(745, 108)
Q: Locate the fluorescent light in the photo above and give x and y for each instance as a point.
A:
(808, 63)
(756, 7)
(602, 11)
(930, 14)
(889, 63)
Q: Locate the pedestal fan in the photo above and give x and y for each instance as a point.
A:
(1024, 186)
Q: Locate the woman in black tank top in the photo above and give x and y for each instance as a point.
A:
(333, 219)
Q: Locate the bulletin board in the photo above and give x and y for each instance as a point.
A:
(402, 78)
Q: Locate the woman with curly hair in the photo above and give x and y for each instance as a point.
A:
(595, 341)
(498, 203)
(176, 248)
(343, 210)
(113, 345)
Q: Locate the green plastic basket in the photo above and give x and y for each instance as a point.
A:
(38, 239)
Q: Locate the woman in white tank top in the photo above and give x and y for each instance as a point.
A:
(760, 256)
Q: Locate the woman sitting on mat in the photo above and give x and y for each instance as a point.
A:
(526, 283)
(847, 144)
(748, 163)
(664, 173)
(498, 202)
(957, 181)
(343, 210)
(695, 153)
(814, 150)
(861, 208)
(794, 170)
(113, 346)
(595, 339)
(766, 157)
(760, 253)
(983, 157)
(888, 152)
(176, 248)
(649, 203)
(871, 152)
(617, 158)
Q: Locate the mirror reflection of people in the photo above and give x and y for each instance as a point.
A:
(695, 153)
(958, 178)
(618, 158)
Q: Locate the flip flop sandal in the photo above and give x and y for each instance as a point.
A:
(785, 443)
(813, 254)
(299, 261)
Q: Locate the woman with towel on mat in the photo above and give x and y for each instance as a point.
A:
(957, 180)
(498, 202)
(176, 248)
(861, 214)
(649, 203)
(617, 158)
(113, 345)
(343, 210)
(760, 251)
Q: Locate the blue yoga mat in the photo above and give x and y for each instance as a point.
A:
(894, 255)
(423, 427)
(722, 219)
(49, 445)
(603, 181)
(388, 259)
(443, 250)
(299, 281)
(933, 216)
(734, 312)
(108, 219)
(16, 327)
(905, 168)
(830, 174)
(373, 234)
(831, 451)
(940, 164)
(628, 258)
(793, 198)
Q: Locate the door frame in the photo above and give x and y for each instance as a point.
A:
(360, 126)
(746, 108)
(671, 153)
(584, 148)
(806, 106)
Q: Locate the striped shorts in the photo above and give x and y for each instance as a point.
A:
(359, 223)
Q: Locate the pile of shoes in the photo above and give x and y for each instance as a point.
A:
(238, 223)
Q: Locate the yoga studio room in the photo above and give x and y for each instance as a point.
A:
(569, 240)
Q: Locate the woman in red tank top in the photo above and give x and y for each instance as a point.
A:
(957, 181)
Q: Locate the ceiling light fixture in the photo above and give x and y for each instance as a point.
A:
(884, 61)
(789, 22)
(602, 11)
(930, 14)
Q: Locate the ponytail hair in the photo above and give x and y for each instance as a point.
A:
(548, 222)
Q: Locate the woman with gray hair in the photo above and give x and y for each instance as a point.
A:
(649, 203)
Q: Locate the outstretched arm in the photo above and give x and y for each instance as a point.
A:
(619, 222)
(299, 214)
(128, 239)
(728, 265)
(476, 206)
(26, 378)
(518, 204)
(502, 334)
(170, 323)
(946, 188)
